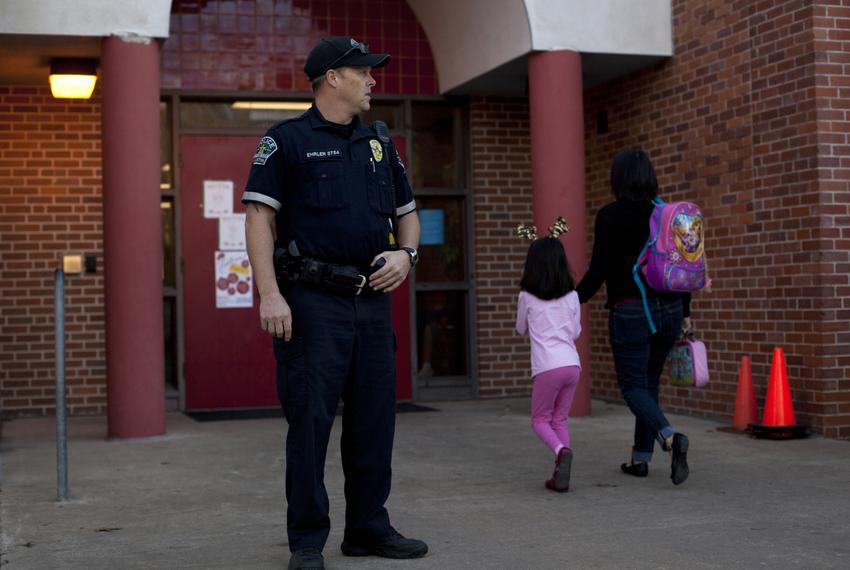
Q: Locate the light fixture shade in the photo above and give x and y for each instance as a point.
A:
(272, 105)
(72, 78)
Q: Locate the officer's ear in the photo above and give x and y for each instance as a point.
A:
(333, 77)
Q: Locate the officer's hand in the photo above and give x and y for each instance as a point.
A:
(686, 326)
(275, 316)
(393, 273)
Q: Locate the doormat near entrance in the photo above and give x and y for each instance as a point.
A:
(264, 413)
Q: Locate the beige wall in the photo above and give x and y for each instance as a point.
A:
(628, 27)
(85, 17)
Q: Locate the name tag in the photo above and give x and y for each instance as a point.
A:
(333, 153)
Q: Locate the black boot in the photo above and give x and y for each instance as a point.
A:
(394, 545)
(307, 559)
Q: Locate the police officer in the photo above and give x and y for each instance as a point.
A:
(330, 196)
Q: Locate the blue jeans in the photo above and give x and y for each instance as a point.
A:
(639, 358)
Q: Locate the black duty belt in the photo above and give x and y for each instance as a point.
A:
(337, 278)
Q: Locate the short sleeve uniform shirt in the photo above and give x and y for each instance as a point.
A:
(333, 193)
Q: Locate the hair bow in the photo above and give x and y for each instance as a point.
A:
(530, 232)
(559, 228)
(526, 232)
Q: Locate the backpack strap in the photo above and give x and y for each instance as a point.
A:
(641, 261)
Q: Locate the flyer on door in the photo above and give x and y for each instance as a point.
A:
(218, 198)
(231, 233)
(233, 280)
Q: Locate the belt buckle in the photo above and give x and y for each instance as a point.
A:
(360, 285)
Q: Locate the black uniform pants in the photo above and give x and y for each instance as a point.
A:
(341, 346)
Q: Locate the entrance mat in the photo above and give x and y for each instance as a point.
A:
(264, 413)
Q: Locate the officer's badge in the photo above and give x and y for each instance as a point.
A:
(377, 150)
(266, 148)
(400, 163)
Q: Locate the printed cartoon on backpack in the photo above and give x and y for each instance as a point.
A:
(675, 253)
(673, 259)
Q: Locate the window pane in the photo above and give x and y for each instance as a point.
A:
(237, 115)
(434, 147)
(441, 327)
(390, 113)
(169, 257)
(166, 172)
(442, 249)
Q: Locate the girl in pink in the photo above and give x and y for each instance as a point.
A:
(548, 311)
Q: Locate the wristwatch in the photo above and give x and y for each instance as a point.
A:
(414, 256)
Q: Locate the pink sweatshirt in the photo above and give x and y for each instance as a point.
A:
(553, 326)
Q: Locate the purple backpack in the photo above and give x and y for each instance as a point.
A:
(673, 259)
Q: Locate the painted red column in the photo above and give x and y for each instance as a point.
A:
(557, 161)
(132, 230)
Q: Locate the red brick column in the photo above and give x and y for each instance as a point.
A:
(132, 238)
(557, 162)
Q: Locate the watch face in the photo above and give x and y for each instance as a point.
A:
(414, 256)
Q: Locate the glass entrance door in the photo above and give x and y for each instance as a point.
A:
(445, 363)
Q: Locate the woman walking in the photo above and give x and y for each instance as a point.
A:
(621, 230)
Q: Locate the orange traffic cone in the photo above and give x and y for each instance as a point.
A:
(779, 421)
(746, 412)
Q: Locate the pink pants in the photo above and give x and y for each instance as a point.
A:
(551, 399)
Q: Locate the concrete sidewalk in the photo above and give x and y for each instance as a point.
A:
(468, 480)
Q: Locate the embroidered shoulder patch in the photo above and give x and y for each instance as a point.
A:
(266, 148)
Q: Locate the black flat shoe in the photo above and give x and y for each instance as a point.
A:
(636, 469)
(679, 470)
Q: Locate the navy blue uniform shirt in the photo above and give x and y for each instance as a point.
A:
(332, 193)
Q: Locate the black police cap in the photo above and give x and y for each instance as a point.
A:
(341, 51)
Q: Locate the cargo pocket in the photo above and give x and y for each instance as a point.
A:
(291, 372)
(380, 189)
(323, 184)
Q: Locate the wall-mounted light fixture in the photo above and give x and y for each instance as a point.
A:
(272, 105)
(72, 77)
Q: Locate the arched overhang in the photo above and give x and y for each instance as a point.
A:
(481, 46)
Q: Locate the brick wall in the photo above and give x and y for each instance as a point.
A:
(50, 203)
(749, 119)
(832, 90)
(501, 177)
(693, 114)
(731, 122)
